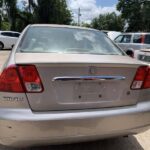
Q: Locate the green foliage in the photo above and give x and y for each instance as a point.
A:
(11, 9)
(136, 13)
(39, 11)
(5, 25)
(52, 11)
(87, 25)
(109, 21)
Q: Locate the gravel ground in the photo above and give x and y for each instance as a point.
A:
(137, 142)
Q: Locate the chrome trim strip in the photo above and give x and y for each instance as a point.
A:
(88, 78)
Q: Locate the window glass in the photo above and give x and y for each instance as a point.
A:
(118, 39)
(137, 38)
(16, 34)
(126, 39)
(147, 39)
(6, 33)
(67, 40)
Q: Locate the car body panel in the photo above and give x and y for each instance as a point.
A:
(23, 128)
(143, 55)
(81, 94)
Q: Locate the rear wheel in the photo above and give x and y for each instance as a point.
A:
(1, 45)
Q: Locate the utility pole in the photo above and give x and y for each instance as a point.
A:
(79, 15)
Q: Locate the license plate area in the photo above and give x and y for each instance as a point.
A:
(87, 92)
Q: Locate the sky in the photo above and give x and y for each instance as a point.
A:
(105, 3)
(89, 8)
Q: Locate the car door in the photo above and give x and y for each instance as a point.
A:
(124, 41)
(138, 41)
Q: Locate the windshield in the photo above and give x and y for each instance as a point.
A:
(67, 40)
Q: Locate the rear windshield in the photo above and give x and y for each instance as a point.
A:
(67, 40)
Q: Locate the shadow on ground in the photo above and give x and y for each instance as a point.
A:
(128, 143)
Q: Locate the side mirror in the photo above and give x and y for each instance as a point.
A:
(130, 53)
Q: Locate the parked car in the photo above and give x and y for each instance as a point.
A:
(8, 39)
(111, 34)
(142, 55)
(133, 41)
(66, 84)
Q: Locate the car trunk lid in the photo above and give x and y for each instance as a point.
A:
(81, 81)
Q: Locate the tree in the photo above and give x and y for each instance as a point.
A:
(11, 9)
(1, 3)
(50, 11)
(35, 11)
(136, 13)
(109, 21)
(87, 25)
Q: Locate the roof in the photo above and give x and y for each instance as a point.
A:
(136, 33)
(9, 31)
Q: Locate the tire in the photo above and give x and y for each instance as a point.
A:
(1, 45)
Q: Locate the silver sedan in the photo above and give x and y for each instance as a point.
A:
(64, 84)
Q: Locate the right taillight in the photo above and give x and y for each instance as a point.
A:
(146, 83)
(142, 78)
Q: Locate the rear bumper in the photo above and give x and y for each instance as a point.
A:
(22, 127)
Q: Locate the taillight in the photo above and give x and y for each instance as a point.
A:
(22, 78)
(10, 81)
(147, 80)
(142, 78)
(30, 78)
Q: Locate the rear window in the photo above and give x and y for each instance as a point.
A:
(147, 39)
(67, 40)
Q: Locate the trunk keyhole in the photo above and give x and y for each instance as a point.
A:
(100, 95)
(79, 96)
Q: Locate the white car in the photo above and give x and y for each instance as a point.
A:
(112, 34)
(142, 55)
(8, 39)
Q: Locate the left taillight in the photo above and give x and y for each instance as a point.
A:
(10, 80)
(30, 78)
(19, 79)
